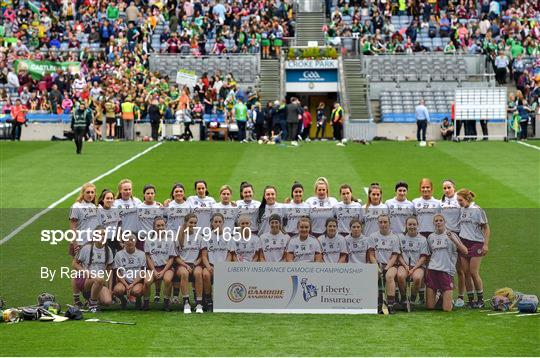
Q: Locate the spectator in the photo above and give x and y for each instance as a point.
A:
(447, 129)
(501, 68)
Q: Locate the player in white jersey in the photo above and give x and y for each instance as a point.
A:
(295, 209)
(399, 208)
(474, 232)
(188, 262)
(321, 206)
(130, 266)
(304, 247)
(268, 207)
(147, 211)
(274, 242)
(93, 263)
(247, 206)
(214, 248)
(127, 205)
(414, 254)
(334, 248)
(226, 208)
(361, 249)
(109, 218)
(248, 247)
(176, 209)
(160, 254)
(83, 216)
(347, 209)
(425, 207)
(443, 247)
(450, 210)
(201, 204)
(386, 252)
(373, 209)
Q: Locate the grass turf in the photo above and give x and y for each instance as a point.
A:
(505, 177)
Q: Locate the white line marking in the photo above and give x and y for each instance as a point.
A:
(528, 145)
(73, 192)
(500, 313)
(527, 314)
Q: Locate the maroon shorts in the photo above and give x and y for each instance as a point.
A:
(79, 283)
(474, 247)
(439, 280)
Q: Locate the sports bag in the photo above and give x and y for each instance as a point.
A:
(528, 304)
(500, 303)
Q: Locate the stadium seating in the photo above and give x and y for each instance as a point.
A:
(398, 106)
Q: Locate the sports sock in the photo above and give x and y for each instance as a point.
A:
(413, 298)
(480, 295)
(461, 296)
(470, 296)
(176, 291)
(186, 299)
(391, 300)
(198, 300)
(76, 297)
(422, 294)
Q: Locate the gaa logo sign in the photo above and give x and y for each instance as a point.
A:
(237, 292)
(311, 75)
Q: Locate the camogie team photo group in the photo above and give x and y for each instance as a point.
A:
(171, 247)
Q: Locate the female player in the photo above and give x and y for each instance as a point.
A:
(176, 209)
(83, 216)
(201, 204)
(321, 206)
(247, 206)
(374, 208)
(333, 245)
(387, 252)
(414, 254)
(269, 206)
(274, 242)
(127, 205)
(443, 247)
(160, 254)
(109, 218)
(130, 266)
(399, 208)
(347, 209)
(93, 263)
(295, 209)
(147, 211)
(188, 262)
(425, 207)
(248, 248)
(361, 249)
(474, 232)
(213, 249)
(226, 208)
(304, 247)
(451, 210)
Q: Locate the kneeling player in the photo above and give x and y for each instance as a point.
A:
(130, 264)
(304, 247)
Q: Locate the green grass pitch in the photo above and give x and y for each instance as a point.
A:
(505, 177)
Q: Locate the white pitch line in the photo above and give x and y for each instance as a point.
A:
(527, 314)
(73, 192)
(500, 313)
(528, 145)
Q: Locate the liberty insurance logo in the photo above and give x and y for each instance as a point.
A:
(237, 292)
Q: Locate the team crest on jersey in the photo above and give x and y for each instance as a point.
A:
(309, 290)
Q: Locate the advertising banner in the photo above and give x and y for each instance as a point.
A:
(184, 77)
(327, 76)
(37, 69)
(305, 64)
(286, 287)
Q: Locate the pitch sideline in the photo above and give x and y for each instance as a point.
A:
(73, 192)
(528, 145)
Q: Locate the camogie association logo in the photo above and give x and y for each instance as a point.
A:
(309, 290)
(237, 292)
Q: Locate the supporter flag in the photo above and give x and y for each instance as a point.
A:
(514, 124)
(35, 6)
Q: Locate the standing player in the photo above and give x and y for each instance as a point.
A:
(474, 232)
(130, 266)
(201, 204)
(147, 211)
(247, 206)
(127, 205)
(347, 209)
(426, 207)
(248, 248)
(274, 242)
(321, 206)
(176, 209)
(443, 246)
(226, 208)
(334, 247)
(387, 252)
(109, 218)
(374, 208)
(83, 216)
(304, 247)
(295, 209)
(269, 206)
(361, 249)
(399, 208)
(160, 254)
(414, 254)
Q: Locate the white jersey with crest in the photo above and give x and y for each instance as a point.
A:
(132, 264)
(100, 259)
(109, 218)
(425, 210)
(202, 207)
(450, 209)
(269, 210)
(86, 215)
(304, 250)
(160, 251)
(412, 248)
(443, 253)
(399, 211)
(191, 247)
(250, 209)
(229, 212)
(470, 222)
(332, 248)
(274, 246)
(175, 214)
(371, 218)
(320, 211)
(217, 248)
(344, 213)
(127, 209)
(247, 248)
(358, 248)
(292, 213)
(385, 246)
(146, 214)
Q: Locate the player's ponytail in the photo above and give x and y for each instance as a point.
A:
(467, 195)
